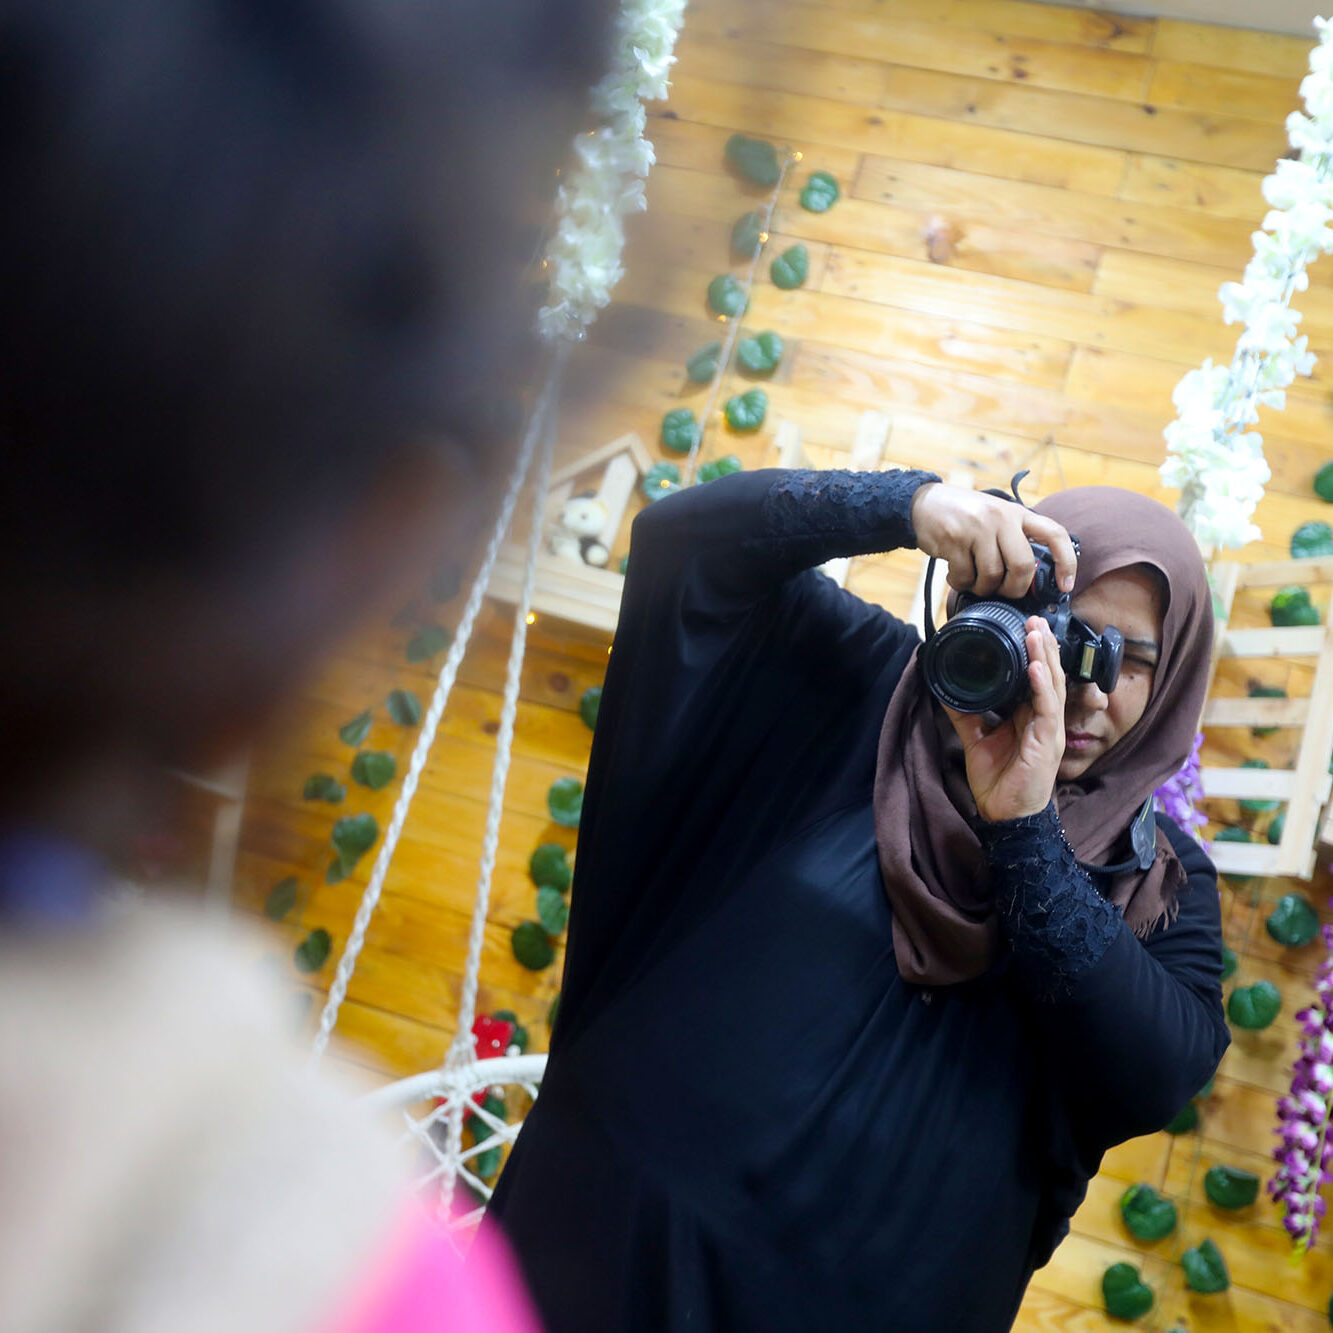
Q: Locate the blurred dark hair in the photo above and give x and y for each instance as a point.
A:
(251, 247)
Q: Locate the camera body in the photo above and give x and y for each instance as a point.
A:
(977, 662)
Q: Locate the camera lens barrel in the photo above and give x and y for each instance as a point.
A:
(977, 662)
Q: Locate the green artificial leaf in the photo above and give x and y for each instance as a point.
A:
(404, 708)
(1207, 1089)
(1323, 488)
(374, 769)
(549, 864)
(1277, 825)
(427, 642)
(661, 480)
(747, 235)
(520, 1038)
(1234, 833)
(1147, 1214)
(589, 704)
(790, 268)
(1294, 921)
(1311, 539)
(1124, 1292)
(281, 898)
(445, 583)
(1257, 807)
(491, 1103)
(323, 787)
(1205, 1269)
(624, 560)
(1292, 606)
(702, 366)
(1230, 1187)
(564, 800)
(718, 467)
(552, 910)
(338, 870)
(760, 354)
(353, 836)
(486, 1163)
(313, 950)
(1266, 692)
(1254, 1007)
(726, 296)
(680, 431)
(746, 411)
(820, 193)
(355, 731)
(1185, 1120)
(553, 1011)
(532, 946)
(1230, 962)
(755, 159)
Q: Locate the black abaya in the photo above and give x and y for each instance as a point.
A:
(750, 1121)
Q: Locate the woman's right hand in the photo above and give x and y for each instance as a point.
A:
(987, 541)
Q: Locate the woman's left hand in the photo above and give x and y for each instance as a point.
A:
(1012, 769)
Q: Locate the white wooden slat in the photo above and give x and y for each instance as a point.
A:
(1283, 641)
(1245, 712)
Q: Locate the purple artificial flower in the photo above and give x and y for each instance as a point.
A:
(1305, 1154)
(1179, 796)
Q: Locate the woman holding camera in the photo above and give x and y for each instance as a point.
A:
(850, 1014)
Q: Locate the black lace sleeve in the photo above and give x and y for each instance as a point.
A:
(745, 534)
(1058, 925)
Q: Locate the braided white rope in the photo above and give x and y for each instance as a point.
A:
(461, 1053)
(542, 411)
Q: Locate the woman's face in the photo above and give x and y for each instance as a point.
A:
(1129, 599)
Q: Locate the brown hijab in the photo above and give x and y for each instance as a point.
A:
(944, 922)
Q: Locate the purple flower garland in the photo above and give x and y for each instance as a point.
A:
(1179, 797)
(1306, 1154)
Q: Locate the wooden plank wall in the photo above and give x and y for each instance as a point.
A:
(1038, 207)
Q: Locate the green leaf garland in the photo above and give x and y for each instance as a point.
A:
(1294, 921)
(1147, 1214)
(552, 910)
(718, 467)
(565, 801)
(820, 193)
(702, 366)
(791, 268)
(760, 354)
(374, 769)
(755, 159)
(427, 642)
(1230, 1187)
(1310, 540)
(355, 731)
(311, 953)
(1205, 1269)
(746, 411)
(680, 431)
(1124, 1292)
(747, 235)
(281, 898)
(590, 704)
(661, 480)
(726, 296)
(532, 946)
(1254, 1007)
(323, 787)
(1292, 606)
(404, 708)
(549, 864)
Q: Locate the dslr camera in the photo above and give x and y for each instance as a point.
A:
(977, 662)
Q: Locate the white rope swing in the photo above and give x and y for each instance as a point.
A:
(461, 1073)
(604, 184)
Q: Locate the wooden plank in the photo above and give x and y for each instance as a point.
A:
(1256, 712)
(1312, 775)
(1223, 92)
(1228, 192)
(972, 242)
(908, 137)
(1251, 784)
(952, 343)
(1099, 123)
(1179, 285)
(1284, 641)
(1098, 321)
(1067, 211)
(752, 28)
(1233, 48)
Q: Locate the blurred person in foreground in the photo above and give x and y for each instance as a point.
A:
(260, 269)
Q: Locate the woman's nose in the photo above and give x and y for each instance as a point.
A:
(1090, 695)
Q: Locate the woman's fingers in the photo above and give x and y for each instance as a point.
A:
(1039, 528)
(1019, 562)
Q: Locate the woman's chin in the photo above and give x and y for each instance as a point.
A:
(1073, 766)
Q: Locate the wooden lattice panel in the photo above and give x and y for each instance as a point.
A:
(1305, 787)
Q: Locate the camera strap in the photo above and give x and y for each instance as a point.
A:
(1142, 837)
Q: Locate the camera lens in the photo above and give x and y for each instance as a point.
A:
(977, 662)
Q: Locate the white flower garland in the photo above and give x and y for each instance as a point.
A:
(1215, 460)
(605, 183)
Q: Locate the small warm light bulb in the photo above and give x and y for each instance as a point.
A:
(763, 238)
(796, 157)
(532, 619)
(608, 649)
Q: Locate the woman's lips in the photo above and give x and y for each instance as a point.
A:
(1079, 740)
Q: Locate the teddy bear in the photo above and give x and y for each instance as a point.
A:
(578, 535)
